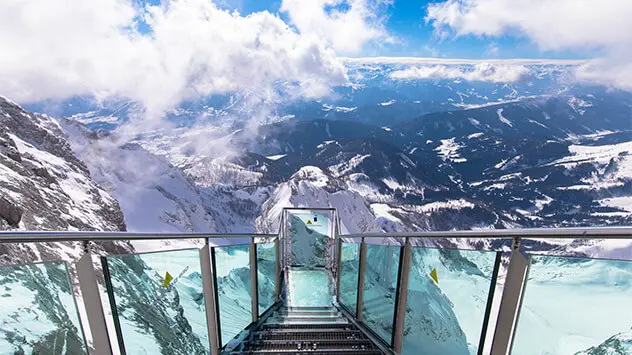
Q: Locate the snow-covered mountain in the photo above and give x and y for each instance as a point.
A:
(380, 91)
(404, 147)
(549, 161)
(44, 185)
(157, 196)
(620, 343)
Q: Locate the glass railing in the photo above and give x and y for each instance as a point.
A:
(38, 313)
(158, 302)
(449, 295)
(349, 274)
(575, 306)
(266, 275)
(380, 289)
(233, 283)
(415, 295)
(309, 233)
(309, 260)
(309, 288)
(153, 302)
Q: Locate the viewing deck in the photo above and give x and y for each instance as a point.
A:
(311, 289)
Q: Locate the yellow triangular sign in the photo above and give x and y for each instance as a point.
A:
(309, 221)
(168, 279)
(434, 276)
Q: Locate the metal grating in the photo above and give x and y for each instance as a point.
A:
(316, 326)
(332, 334)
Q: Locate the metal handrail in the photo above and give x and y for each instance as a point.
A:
(38, 237)
(558, 233)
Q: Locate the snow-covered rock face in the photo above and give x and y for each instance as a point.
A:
(156, 196)
(619, 344)
(44, 186)
(313, 175)
(305, 189)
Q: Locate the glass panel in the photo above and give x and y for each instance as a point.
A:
(159, 302)
(266, 278)
(309, 288)
(38, 313)
(380, 283)
(349, 272)
(448, 292)
(576, 306)
(310, 234)
(232, 272)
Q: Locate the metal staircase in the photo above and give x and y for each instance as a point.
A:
(313, 330)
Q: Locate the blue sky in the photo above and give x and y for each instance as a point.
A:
(416, 38)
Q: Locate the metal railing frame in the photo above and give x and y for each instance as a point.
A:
(511, 297)
(89, 289)
(509, 305)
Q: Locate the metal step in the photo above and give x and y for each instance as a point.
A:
(306, 320)
(313, 330)
(329, 313)
(310, 346)
(325, 343)
(311, 352)
(307, 309)
(313, 326)
(311, 335)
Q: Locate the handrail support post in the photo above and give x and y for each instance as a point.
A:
(210, 298)
(254, 289)
(277, 270)
(92, 300)
(338, 268)
(361, 271)
(510, 301)
(402, 297)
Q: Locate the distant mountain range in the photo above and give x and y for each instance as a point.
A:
(404, 147)
(458, 149)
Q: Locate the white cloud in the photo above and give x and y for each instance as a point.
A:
(585, 25)
(613, 71)
(492, 50)
(346, 25)
(478, 72)
(552, 24)
(57, 49)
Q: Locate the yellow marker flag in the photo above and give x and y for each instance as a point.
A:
(434, 276)
(168, 279)
(309, 221)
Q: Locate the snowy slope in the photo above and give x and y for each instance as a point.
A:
(557, 288)
(619, 344)
(311, 187)
(156, 196)
(43, 184)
